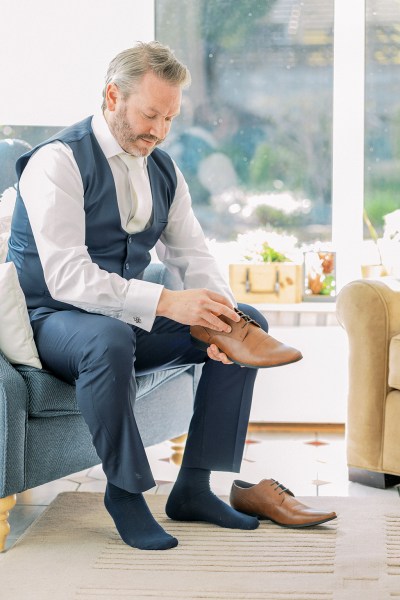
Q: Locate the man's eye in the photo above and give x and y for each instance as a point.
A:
(149, 116)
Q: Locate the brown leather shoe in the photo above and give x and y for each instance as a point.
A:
(247, 344)
(269, 499)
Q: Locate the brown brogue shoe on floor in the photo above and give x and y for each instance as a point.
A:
(271, 500)
(247, 344)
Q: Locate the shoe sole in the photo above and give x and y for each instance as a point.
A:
(300, 526)
(294, 526)
(203, 346)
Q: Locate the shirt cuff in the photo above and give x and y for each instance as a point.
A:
(141, 303)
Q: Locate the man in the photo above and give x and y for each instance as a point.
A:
(93, 201)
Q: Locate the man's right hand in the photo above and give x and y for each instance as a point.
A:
(196, 307)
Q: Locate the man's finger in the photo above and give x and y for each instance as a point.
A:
(215, 323)
(222, 306)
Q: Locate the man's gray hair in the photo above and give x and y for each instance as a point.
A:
(129, 66)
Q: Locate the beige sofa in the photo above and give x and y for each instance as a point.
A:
(369, 311)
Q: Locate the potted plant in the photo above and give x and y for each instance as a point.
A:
(377, 269)
(266, 272)
(319, 275)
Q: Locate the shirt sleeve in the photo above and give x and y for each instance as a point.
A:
(183, 248)
(52, 191)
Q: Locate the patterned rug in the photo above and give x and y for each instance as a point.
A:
(72, 552)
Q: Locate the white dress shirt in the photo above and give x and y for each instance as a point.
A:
(52, 190)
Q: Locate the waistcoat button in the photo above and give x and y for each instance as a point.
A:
(127, 266)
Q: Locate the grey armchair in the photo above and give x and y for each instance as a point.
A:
(44, 437)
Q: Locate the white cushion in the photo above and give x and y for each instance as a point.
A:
(7, 203)
(4, 235)
(16, 335)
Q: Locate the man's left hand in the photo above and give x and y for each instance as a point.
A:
(215, 354)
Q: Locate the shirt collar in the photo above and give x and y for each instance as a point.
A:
(106, 140)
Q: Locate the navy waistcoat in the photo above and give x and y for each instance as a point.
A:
(109, 246)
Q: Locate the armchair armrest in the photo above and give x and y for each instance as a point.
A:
(13, 419)
(369, 311)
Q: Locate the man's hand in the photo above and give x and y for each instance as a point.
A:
(215, 354)
(198, 307)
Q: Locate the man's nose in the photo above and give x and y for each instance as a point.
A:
(160, 128)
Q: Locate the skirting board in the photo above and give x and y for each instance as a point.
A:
(289, 427)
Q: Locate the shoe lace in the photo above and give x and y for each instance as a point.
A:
(246, 318)
(280, 486)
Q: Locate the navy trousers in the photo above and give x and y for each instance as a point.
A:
(101, 356)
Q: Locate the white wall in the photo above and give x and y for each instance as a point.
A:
(313, 390)
(54, 55)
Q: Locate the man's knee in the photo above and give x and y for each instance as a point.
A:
(112, 343)
(254, 314)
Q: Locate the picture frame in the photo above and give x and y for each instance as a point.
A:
(319, 276)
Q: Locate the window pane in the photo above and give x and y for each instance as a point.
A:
(382, 116)
(254, 138)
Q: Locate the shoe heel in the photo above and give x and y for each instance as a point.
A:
(199, 344)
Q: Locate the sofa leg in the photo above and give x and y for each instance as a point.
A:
(372, 478)
(6, 504)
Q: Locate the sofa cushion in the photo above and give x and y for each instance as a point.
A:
(394, 362)
(5, 224)
(16, 336)
(51, 397)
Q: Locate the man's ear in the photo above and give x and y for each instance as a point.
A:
(112, 96)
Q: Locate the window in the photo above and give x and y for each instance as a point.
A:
(382, 111)
(255, 137)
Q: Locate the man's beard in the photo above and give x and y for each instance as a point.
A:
(126, 138)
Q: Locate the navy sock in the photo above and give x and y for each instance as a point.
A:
(191, 499)
(134, 521)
